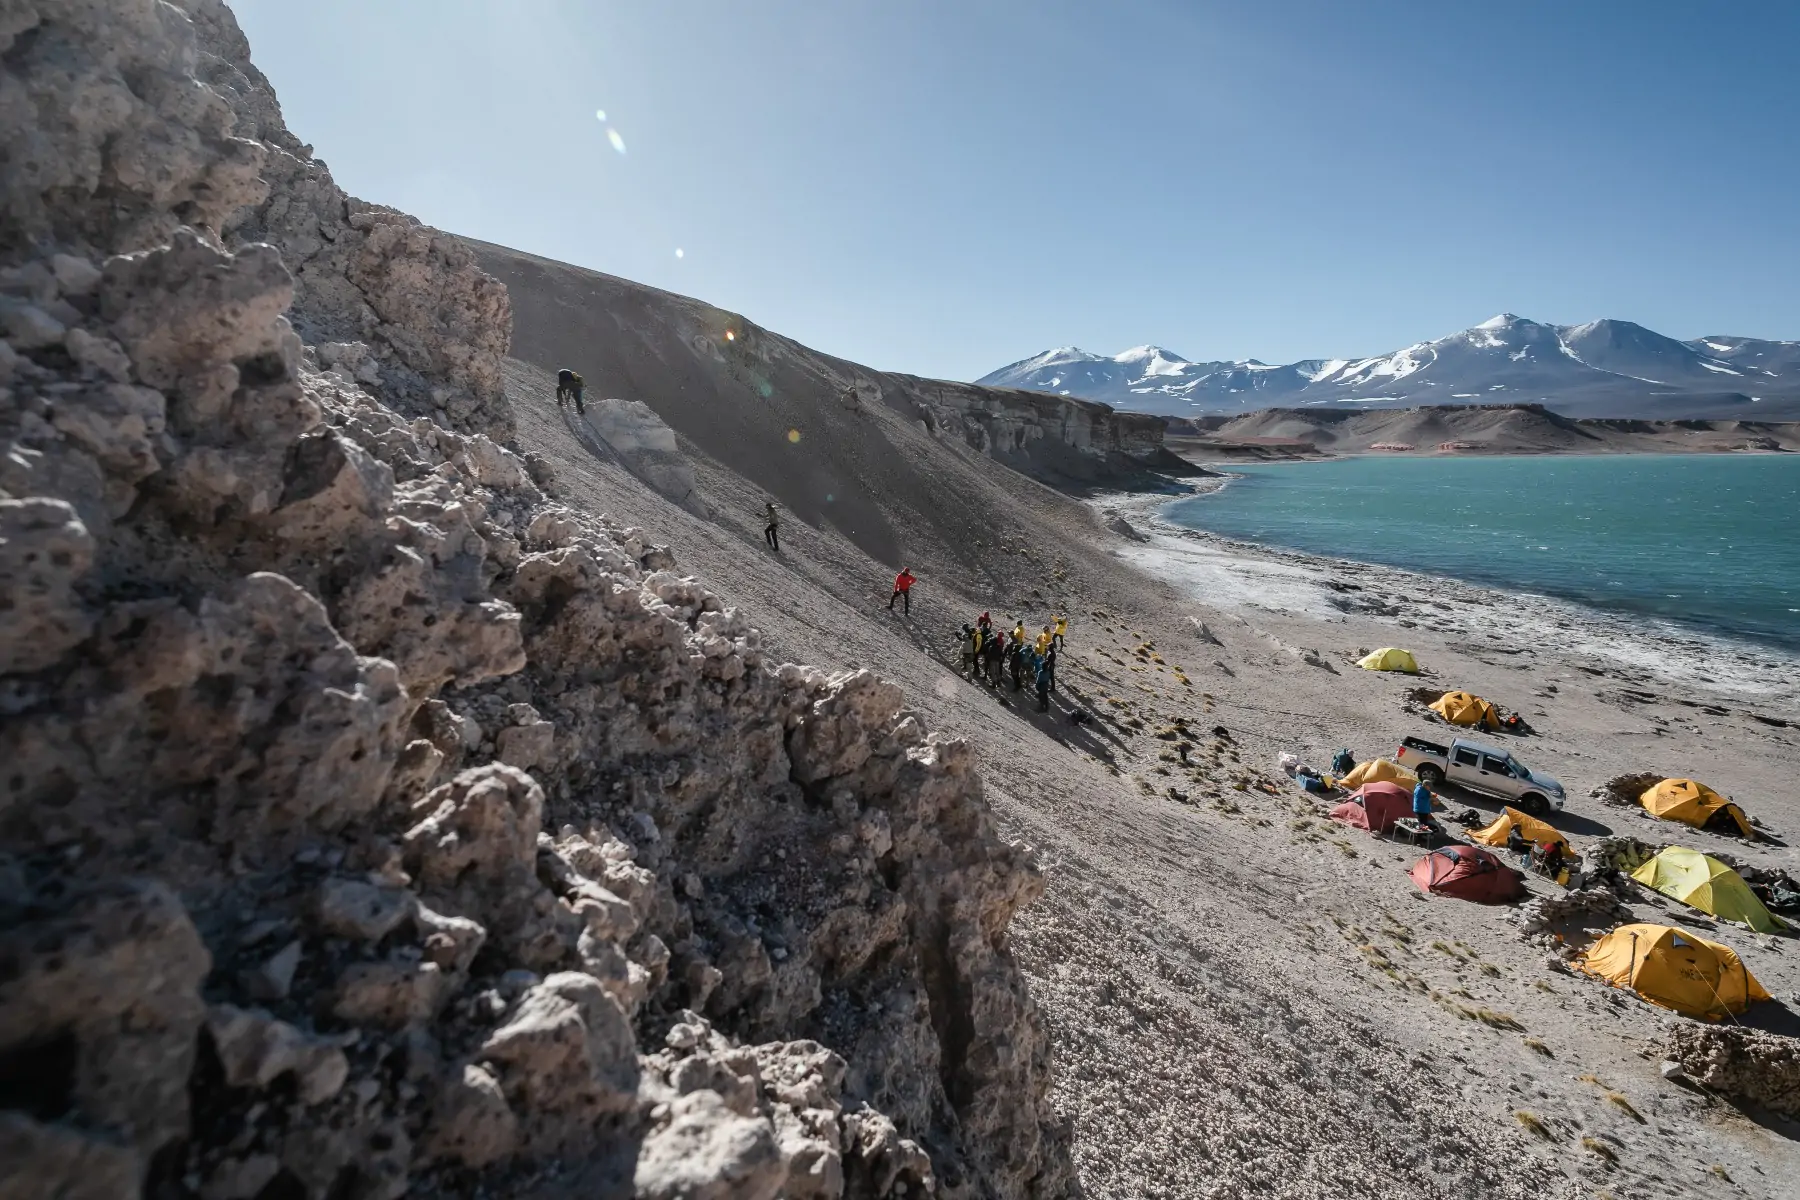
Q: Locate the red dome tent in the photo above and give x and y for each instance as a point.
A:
(1375, 807)
(1468, 873)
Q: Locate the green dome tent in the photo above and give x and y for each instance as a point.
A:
(1390, 658)
(1707, 884)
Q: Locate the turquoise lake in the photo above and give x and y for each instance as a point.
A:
(1711, 542)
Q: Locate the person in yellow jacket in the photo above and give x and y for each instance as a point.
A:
(1018, 633)
(1043, 640)
(1062, 627)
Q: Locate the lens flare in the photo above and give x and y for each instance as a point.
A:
(730, 336)
(794, 436)
(600, 115)
(618, 143)
(679, 253)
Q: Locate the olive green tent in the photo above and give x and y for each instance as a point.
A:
(1390, 658)
(1707, 884)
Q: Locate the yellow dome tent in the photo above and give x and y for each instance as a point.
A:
(1465, 708)
(1692, 803)
(1530, 828)
(1675, 969)
(1390, 658)
(1379, 770)
(1707, 884)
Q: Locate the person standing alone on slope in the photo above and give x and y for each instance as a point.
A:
(772, 527)
(568, 387)
(903, 589)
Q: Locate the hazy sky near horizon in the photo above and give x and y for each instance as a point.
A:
(946, 186)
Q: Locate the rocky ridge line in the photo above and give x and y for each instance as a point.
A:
(373, 823)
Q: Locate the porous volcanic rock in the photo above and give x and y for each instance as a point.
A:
(374, 824)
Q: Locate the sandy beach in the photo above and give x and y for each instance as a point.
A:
(1520, 625)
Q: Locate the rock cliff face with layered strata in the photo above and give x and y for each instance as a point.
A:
(372, 822)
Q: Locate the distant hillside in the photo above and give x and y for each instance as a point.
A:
(833, 442)
(1605, 368)
(1464, 429)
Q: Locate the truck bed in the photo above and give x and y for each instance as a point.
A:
(1425, 747)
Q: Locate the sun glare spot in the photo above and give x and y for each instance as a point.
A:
(618, 143)
(794, 436)
(730, 336)
(600, 115)
(679, 253)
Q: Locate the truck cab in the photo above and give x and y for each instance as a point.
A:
(1482, 768)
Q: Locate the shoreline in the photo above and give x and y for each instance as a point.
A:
(1324, 456)
(1233, 574)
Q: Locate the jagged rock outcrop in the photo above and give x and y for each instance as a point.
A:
(1746, 1064)
(374, 824)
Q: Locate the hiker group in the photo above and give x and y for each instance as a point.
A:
(991, 655)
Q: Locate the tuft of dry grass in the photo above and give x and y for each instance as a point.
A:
(1498, 1020)
(1543, 985)
(1490, 969)
(1719, 1170)
(1618, 1101)
(1538, 1045)
(1534, 1123)
(1596, 1146)
(1344, 848)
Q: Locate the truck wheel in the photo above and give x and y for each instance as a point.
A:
(1534, 805)
(1430, 776)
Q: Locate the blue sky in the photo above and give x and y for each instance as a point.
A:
(945, 186)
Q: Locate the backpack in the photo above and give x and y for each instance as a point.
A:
(564, 377)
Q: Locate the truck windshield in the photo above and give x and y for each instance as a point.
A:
(1518, 768)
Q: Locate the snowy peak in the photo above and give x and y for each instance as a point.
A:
(1621, 365)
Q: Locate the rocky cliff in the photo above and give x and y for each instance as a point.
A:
(372, 822)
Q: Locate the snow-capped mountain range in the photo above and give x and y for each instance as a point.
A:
(1604, 368)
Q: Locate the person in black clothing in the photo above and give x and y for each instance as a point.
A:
(772, 527)
(568, 387)
(991, 653)
(1050, 665)
(1015, 659)
(1043, 685)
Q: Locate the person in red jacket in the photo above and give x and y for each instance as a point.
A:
(903, 589)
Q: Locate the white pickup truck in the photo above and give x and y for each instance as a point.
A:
(1482, 769)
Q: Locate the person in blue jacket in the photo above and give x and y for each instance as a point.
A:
(1422, 805)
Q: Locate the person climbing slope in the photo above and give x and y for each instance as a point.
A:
(903, 589)
(1050, 665)
(1043, 685)
(1043, 641)
(1015, 661)
(1018, 633)
(969, 639)
(1062, 627)
(568, 387)
(772, 526)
